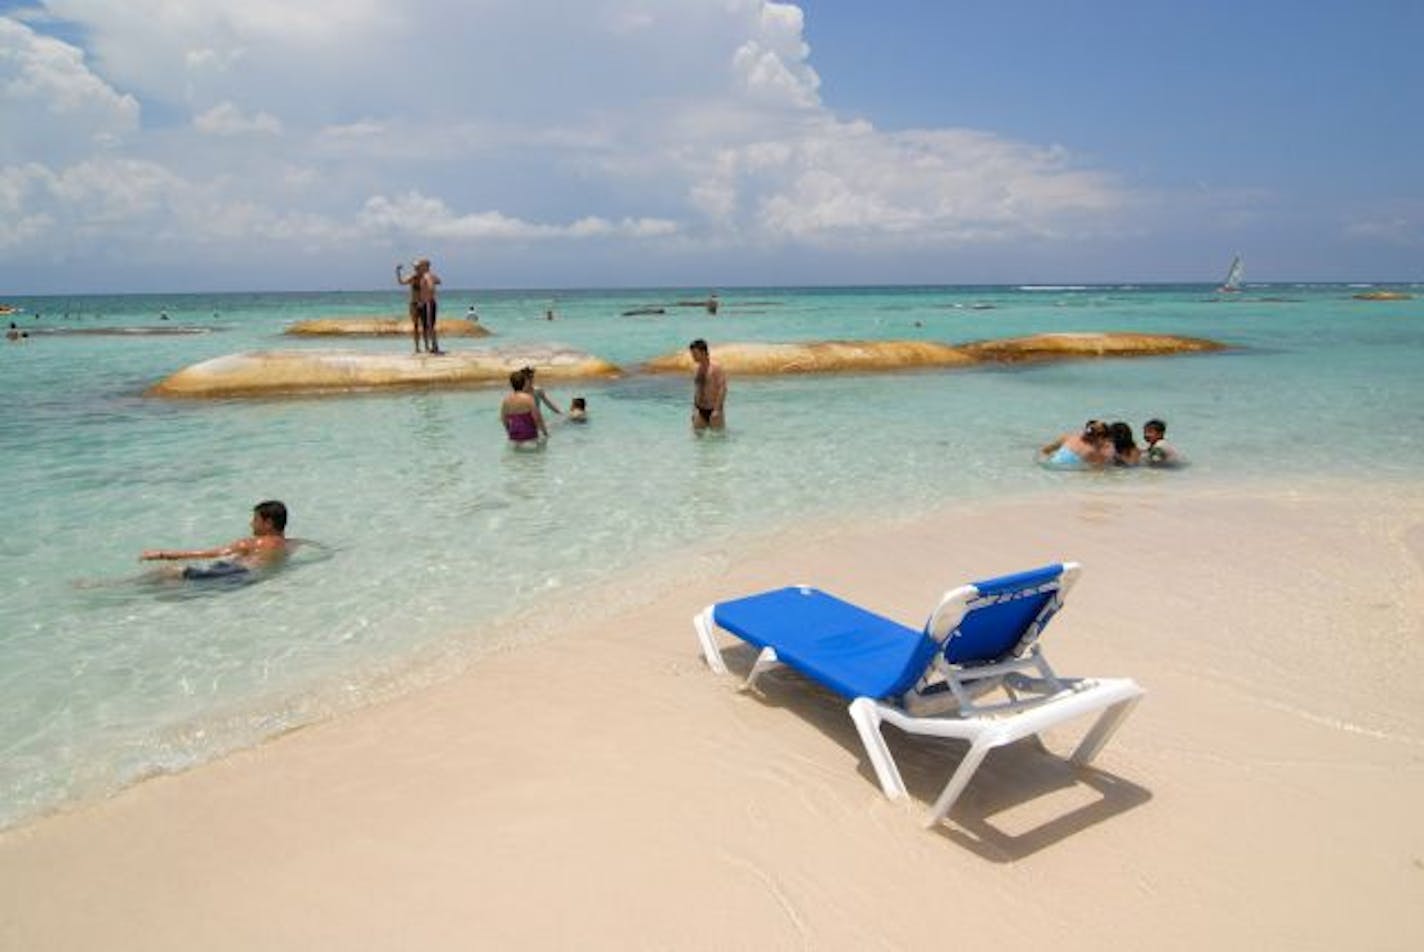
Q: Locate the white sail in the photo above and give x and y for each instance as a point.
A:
(1234, 276)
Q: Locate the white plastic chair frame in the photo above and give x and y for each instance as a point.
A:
(944, 701)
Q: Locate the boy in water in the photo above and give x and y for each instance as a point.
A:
(578, 410)
(1159, 451)
(265, 548)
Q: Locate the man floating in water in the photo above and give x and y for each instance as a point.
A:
(266, 548)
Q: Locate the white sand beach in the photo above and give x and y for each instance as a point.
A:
(602, 789)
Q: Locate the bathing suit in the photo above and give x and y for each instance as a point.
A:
(425, 310)
(1063, 456)
(521, 427)
(220, 569)
(706, 413)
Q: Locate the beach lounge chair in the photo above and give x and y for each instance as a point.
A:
(974, 672)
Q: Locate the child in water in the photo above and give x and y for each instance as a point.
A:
(578, 410)
(1159, 451)
(265, 548)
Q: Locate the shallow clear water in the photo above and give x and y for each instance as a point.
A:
(433, 532)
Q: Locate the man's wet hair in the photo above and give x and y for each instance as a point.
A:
(1155, 424)
(274, 512)
(698, 344)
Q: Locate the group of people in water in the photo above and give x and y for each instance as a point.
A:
(522, 410)
(1097, 445)
(1100, 444)
(522, 413)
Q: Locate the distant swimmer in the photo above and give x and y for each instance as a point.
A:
(1159, 451)
(523, 423)
(712, 304)
(472, 315)
(709, 390)
(266, 548)
(13, 333)
(578, 410)
(1089, 448)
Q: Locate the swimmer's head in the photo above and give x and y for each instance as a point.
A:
(1095, 430)
(518, 380)
(273, 513)
(1121, 435)
(1154, 430)
(578, 403)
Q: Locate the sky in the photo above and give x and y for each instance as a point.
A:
(212, 145)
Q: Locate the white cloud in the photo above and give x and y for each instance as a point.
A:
(331, 124)
(361, 129)
(226, 119)
(414, 214)
(51, 103)
(1394, 230)
(772, 64)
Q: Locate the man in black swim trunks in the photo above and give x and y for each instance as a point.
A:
(709, 390)
(265, 548)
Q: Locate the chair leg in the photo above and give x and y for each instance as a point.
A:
(1108, 722)
(867, 724)
(764, 662)
(959, 780)
(702, 623)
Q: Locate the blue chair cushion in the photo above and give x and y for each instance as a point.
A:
(848, 649)
(992, 632)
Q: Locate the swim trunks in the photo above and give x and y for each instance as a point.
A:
(220, 569)
(705, 412)
(521, 427)
(426, 310)
(1063, 456)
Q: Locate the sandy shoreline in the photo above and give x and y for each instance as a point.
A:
(603, 789)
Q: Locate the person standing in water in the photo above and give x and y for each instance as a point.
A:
(709, 390)
(540, 395)
(265, 548)
(423, 306)
(519, 413)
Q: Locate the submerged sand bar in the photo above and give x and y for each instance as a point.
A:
(810, 357)
(281, 372)
(329, 371)
(381, 327)
(875, 355)
(1070, 345)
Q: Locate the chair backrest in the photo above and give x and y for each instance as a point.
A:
(999, 618)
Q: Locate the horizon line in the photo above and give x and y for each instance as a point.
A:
(719, 289)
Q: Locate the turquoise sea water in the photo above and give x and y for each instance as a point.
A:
(434, 534)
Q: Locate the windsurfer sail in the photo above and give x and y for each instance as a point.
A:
(1234, 276)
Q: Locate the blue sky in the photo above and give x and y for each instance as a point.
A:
(213, 145)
